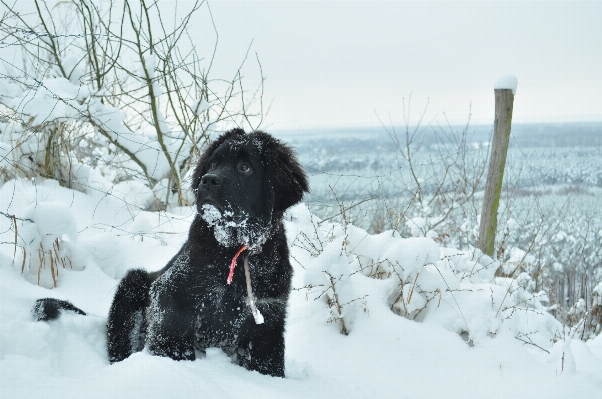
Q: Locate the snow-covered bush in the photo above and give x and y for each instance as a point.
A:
(350, 271)
(48, 239)
(329, 277)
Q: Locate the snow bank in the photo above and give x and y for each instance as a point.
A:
(134, 193)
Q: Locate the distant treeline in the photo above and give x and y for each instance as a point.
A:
(335, 141)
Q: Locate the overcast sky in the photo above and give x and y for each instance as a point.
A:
(349, 63)
(340, 64)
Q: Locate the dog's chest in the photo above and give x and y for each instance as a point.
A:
(221, 302)
(221, 311)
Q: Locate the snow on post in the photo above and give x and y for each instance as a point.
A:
(507, 82)
(504, 89)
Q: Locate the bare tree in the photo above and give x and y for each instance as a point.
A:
(143, 99)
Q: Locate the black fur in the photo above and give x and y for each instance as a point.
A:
(126, 324)
(251, 179)
(47, 309)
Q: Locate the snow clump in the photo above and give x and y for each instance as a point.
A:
(507, 82)
(232, 230)
(48, 236)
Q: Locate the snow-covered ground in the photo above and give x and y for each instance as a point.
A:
(422, 321)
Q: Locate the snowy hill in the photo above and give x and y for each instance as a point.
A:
(422, 321)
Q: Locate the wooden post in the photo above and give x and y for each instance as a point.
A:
(504, 101)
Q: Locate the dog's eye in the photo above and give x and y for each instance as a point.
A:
(244, 168)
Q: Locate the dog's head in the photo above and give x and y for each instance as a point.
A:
(245, 182)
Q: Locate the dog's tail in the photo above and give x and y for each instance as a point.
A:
(47, 309)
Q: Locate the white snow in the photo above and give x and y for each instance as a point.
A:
(133, 193)
(52, 218)
(221, 226)
(229, 232)
(422, 321)
(51, 99)
(507, 82)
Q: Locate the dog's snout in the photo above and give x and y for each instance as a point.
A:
(210, 180)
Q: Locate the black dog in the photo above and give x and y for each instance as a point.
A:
(244, 183)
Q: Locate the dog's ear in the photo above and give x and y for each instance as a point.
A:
(200, 166)
(287, 176)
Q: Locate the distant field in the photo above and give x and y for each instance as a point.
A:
(364, 163)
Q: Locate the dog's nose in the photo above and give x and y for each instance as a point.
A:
(210, 180)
